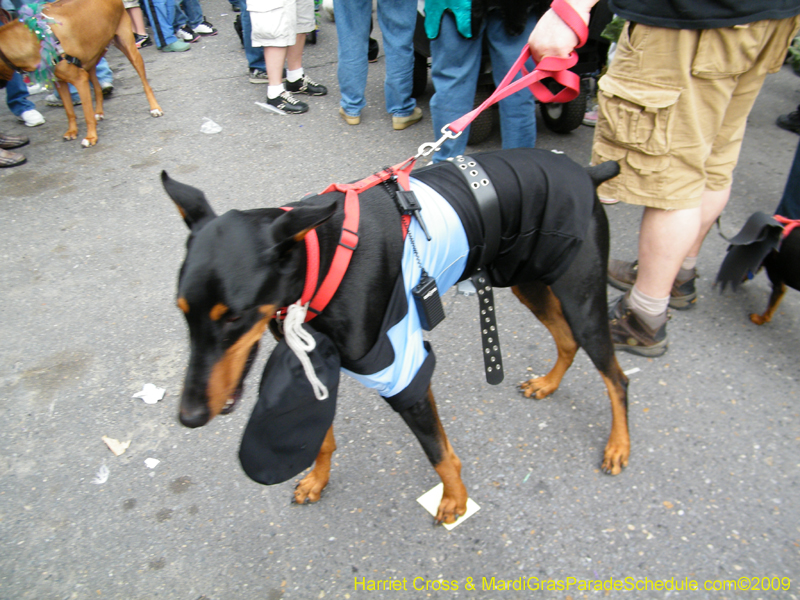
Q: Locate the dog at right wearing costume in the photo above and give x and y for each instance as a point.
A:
(768, 242)
(82, 30)
(541, 231)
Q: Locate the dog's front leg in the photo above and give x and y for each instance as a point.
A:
(423, 419)
(311, 486)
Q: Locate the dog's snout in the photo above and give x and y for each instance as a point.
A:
(196, 416)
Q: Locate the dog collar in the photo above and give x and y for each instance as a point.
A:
(318, 298)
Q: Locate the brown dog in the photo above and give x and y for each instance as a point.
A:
(84, 29)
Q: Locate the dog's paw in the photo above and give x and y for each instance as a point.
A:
(309, 490)
(86, 142)
(99, 116)
(70, 135)
(758, 319)
(450, 509)
(539, 387)
(156, 112)
(615, 457)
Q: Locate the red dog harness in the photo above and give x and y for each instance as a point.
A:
(318, 298)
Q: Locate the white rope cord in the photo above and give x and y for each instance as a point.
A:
(301, 343)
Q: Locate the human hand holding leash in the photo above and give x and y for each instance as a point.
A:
(553, 36)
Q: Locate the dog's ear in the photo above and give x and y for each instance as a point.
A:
(292, 226)
(191, 202)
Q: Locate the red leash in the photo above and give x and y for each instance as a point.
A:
(549, 67)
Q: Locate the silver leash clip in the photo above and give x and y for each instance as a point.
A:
(429, 148)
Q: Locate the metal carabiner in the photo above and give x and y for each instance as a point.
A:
(430, 147)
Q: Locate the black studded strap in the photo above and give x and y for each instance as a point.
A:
(488, 204)
(492, 356)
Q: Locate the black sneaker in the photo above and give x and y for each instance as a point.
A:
(187, 34)
(142, 41)
(286, 104)
(304, 85)
(790, 122)
(258, 76)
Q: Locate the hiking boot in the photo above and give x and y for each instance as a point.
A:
(286, 104)
(790, 122)
(305, 85)
(350, 119)
(631, 334)
(400, 123)
(622, 275)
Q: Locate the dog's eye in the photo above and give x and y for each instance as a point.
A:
(232, 318)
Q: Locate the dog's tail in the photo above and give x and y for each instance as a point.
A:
(603, 172)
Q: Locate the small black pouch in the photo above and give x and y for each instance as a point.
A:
(428, 302)
(288, 424)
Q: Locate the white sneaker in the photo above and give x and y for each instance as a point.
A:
(31, 118)
(327, 8)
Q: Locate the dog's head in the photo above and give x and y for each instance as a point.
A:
(239, 269)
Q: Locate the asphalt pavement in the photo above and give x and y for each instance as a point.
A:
(91, 246)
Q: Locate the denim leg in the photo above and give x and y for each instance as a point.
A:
(192, 10)
(255, 56)
(517, 111)
(161, 14)
(352, 28)
(103, 71)
(790, 202)
(455, 66)
(17, 95)
(397, 20)
(179, 18)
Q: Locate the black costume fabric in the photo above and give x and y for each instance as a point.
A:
(702, 14)
(545, 212)
(288, 424)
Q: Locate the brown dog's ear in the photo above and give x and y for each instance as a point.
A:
(292, 226)
(191, 202)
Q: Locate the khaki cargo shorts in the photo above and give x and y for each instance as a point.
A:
(277, 22)
(674, 104)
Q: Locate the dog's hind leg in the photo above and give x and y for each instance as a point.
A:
(778, 290)
(310, 487)
(124, 40)
(423, 420)
(542, 302)
(98, 95)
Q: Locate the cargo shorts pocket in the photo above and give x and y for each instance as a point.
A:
(637, 115)
(729, 51)
(642, 179)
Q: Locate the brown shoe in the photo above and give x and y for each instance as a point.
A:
(622, 275)
(10, 159)
(12, 141)
(630, 334)
(400, 123)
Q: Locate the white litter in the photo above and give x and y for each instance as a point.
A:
(102, 475)
(209, 126)
(632, 371)
(150, 393)
(115, 446)
(430, 501)
(151, 463)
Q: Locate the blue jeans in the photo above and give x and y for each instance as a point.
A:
(161, 14)
(455, 67)
(397, 19)
(104, 75)
(255, 56)
(187, 12)
(789, 206)
(17, 95)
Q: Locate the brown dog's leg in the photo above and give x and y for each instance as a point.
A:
(124, 40)
(774, 300)
(98, 95)
(542, 302)
(592, 331)
(311, 486)
(69, 73)
(423, 419)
